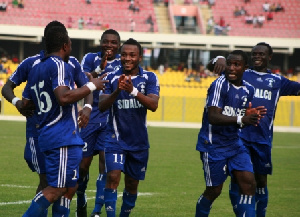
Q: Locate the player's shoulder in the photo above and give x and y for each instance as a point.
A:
(73, 61)
(148, 74)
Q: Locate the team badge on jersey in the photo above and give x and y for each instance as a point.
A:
(271, 81)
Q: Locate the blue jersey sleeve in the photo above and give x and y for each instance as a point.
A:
(217, 93)
(289, 87)
(88, 62)
(26, 93)
(21, 74)
(153, 84)
(79, 77)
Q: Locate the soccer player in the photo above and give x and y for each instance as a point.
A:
(50, 88)
(129, 93)
(219, 144)
(268, 89)
(97, 64)
(32, 154)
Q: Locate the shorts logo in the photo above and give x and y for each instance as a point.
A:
(267, 165)
(143, 169)
(109, 208)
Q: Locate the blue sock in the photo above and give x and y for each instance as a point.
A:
(261, 196)
(245, 206)
(234, 195)
(38, 206)
(61, 207)
(110, 197)
(100, 184)
(82, 185)
(203, 207)
(128, 203)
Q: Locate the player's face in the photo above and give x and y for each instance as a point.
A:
(235, 68)
(110, 44)
(130, 59)
(260, 58)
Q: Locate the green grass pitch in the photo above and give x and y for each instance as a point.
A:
(174, 178)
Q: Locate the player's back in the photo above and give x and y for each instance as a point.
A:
(57, 124)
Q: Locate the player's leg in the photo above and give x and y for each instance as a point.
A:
(89, 136)
(100, 186)
(215, 176)
(240, 167)
(262, 166)
(114, 161)
(70, 157)
(101, 180)
(36, 162)
(135, 169)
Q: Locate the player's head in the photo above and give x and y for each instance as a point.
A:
(52, 24)
(261, 55)
(110, 43)
(131, 55)
(58, 41)
(236, 64)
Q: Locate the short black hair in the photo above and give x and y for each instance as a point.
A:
(267, 45)
(112, 32)
(52, 24)
(56, 37)
(242, 54)
(132, 41)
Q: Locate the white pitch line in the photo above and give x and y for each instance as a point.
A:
(29, 201)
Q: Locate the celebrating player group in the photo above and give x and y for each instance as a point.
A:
(61, 140)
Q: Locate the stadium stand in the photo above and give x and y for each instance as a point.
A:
(109, 13)
(284, 24)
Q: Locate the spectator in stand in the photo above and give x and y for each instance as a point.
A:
(248, 18)
(255, 21)
(80, 23)
(226, 29)
(131, 5)
(266, 6)
(260, 20)
(210, 25)
(88, 1)
(211, 3)
(273, 7)
(132, 26)
(149, 20)
(15, 3)
(3, 6)
(187, 2)
(270, 16)
(90, 23)
(236, 11)
(166, 2)
(246, 1)
(279, 7)
(20, 4)
(222, 22)
(243, 11)
(70, 22)
(137, 7)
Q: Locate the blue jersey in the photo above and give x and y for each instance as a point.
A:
(89, 63)
(127, 127)
(20, 76)
(57, 124)
(223, 141)
(268, 88)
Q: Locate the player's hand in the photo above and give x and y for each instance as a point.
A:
(89, 75)
(104, 59)
(251, 119)
(260, 110)
(100, 82)
(84, 117)
(220, 66)
(25, 111)
(126, 84)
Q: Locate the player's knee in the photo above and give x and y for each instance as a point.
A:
(211, 193)
(113, 180)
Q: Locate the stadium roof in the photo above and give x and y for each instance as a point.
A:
(156, 40)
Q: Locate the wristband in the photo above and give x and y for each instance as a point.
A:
(215, 59)
(87, 105)
(98, 70)
(239, 121)
(15, 100)
(91, 86)
(134, 92)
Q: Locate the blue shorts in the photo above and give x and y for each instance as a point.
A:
(216, 171)
(62, 166)
(261, 157)
(33, 156)
(133, 163)
(93, 136)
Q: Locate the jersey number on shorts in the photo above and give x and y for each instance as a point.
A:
(116, 158)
